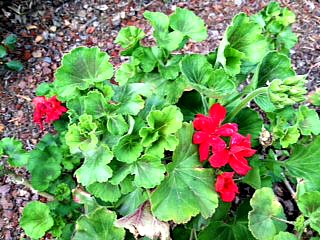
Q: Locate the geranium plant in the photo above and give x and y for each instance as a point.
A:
(167, 145)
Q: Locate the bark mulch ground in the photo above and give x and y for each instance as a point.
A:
(48, 29)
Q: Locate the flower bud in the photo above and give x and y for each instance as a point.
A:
(294, 80)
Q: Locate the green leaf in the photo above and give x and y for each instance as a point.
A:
(36, 219)
(81, 68)
(304, 161)
(14, 65)
(169, 41)
(284, 126)
(169, 90)
(158, 20)
(128, 149)
(95, 104)
(308, 121)
(48, 155)
(98, 225)
(315, 220)
(75, 107)
(18, 157)
(273, 66)
(264, 102)
(285, 236)
(3, 51)
(309, 205)
(187, 184)
(253, 178)
(305, 185)
(199, 72)
(171, 69)
(315, 98)
(82, 137)
(129, 38)
(286, 39)
(242, 36)
(196, 68)
(10, 40)
(62, 192)
(148, 57)
(132, 201)
(117, 125)
(126, 72)
(148, 171)
(222, 231)
(44, 89)
(233, 60)
(249, 122)
(291, 136)
(189, 24)
(95, 168)
(159, 134)
(265, 208)
(127, 100)
(105, 191)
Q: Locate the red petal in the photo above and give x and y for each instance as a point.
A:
(217, 144)
(228, 196)
(239, 164)
(204, 151)
(39, 100)
(217, 111)
(200, 122)
(219, 159)
(226, 186)
(227, 130)
(200, 137)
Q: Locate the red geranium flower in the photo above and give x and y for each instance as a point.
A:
(210, 129)
(240, 147)
(226, 186)
(47, 110)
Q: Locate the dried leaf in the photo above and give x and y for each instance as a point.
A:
(143, 223)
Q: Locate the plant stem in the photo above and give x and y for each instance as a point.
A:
(25, 182)
(204, 103)
(283, 220)
(195, 235)
(245, 101)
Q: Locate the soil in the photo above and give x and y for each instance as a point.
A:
(48, 29)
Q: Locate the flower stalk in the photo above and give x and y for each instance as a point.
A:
(245, 101)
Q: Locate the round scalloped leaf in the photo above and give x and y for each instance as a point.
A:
(95, 168)
(148, 171)
(81, 69)
(128, 149)
(189, 24)
(36, 219)
(129, 38)
(98, 225)
(106, 191)
(309, 203)
(188, 188)
(265, 208)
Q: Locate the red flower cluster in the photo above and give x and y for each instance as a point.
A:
(47, 110)
(208, 136)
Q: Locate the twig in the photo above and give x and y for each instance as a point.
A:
(26, 183)
(288, 185)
